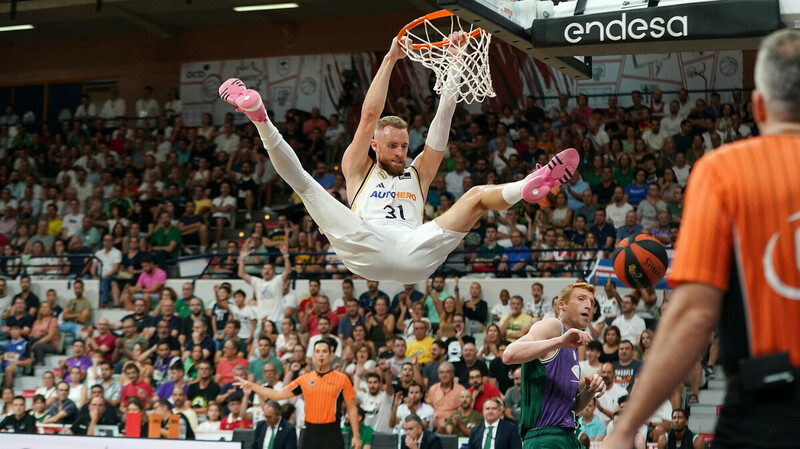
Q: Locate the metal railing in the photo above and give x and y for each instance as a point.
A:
(36, 266)
(581, 261)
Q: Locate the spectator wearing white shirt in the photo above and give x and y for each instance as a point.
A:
(147, 106)
(630, 325)
(268, 289)
(113, 109)
(655, 137)
(671, 124)
(503, 308)
(106, 265)
(507, 226)
(599, 138)
(174, 106)
(335, 136)
(455, 179)
(738, 131)
(685, 104)
(412, 405)
(222, 209)
(618, 208)
(72, 221)
(227, 141)
(83, 188)
(86, 110)
(681, 169)
(48, 389)
(245, 314)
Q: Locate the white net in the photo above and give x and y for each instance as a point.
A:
(461, 70)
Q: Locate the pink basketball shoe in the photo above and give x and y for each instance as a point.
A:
(246, 100)
(558, 171)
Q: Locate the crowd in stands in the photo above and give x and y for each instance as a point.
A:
(106, 190)
(434, 354)
(115, 200)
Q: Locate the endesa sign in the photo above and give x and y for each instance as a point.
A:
(691, 21)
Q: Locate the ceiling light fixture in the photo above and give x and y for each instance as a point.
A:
(17, 27)
(266, 7)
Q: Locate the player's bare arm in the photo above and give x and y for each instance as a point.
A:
(356, 161)
(352, 415)
(542, 339)
(428, 162)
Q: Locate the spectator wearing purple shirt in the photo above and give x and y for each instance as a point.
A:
(175, 380)
(79, 359)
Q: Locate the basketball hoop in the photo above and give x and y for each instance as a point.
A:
(462, 69)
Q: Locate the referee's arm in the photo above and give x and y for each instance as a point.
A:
(355, 426)
(270, 393)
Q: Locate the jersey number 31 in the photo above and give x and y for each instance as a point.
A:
(390, 212)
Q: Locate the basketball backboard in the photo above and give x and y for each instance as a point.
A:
(566, 34)
(506, 20)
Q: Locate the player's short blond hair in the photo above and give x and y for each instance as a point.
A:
(391, 120)
(566, 292)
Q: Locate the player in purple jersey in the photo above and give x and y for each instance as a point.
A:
(552, 387)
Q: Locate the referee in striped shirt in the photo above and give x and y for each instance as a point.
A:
(324, 390)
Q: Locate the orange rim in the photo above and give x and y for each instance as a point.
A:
(433, 16)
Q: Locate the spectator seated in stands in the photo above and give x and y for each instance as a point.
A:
(680, 435)
(445, 396)
(199, 337)
(31, 300)
(166, 241)
(19, 421)
(236, 404)
(148, 286)
(411, 405)
(96, 409)
(591, 428)
(63, 411)
(79, 359)
(204, 390)
(629, 228)
(416, 437)
(193, 227)
(97, 416)
(164, 409)
(515, 324)
(16, 354)
(516, 258)
(77, 317)
(504, 433)
(44, 334)
(222, 210)
(481, 391)
(464, 418)
(230, 359)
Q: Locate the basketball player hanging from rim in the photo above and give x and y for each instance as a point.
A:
(382, 237)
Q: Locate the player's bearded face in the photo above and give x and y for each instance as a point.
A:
(391, 148)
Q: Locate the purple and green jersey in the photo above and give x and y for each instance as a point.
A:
(549, 387)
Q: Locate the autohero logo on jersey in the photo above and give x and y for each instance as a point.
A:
(720, 19)
(396, 195)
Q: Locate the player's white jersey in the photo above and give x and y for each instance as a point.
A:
(385, 197)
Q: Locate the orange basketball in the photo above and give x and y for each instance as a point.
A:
(640, 261)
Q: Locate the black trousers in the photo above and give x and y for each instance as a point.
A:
(319, 436)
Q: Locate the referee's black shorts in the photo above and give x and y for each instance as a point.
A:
(766, 419)
(318, 436)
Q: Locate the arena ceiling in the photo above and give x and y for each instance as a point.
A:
(55, 19)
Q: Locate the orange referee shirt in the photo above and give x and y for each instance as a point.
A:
(741, 233)
(323, 395)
